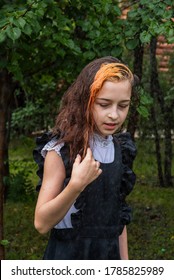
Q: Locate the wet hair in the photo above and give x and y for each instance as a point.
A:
(74, 120)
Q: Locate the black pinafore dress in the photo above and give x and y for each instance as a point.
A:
(96, 226)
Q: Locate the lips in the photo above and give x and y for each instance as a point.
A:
(110, 126)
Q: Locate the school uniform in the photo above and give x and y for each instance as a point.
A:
(90, 230)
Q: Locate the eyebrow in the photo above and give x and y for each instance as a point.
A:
(105, 99)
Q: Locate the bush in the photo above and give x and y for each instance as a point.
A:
(20, 185)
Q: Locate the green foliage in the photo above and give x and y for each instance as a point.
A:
(43, 39)
(170, 95)
(21, 182)
(145, 164)
(146, 171)
(39, 27)
(28, 27)
(20, 185)
(30, 118)
(38, 113)
(4, 242)
(145, 102)
(25, 118)
(146, 19)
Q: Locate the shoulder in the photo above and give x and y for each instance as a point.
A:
(52, 145)
(44, 143)
(53, 166)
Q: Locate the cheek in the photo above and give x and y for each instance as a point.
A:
(94, 115)
(124, 114)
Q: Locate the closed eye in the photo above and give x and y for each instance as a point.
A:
(103, 105)
(124, 105)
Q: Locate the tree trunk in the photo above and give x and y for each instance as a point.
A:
(168, 148)
(157, 148)
(154, 88)
(6, 93)
(138, 70)
(2, 159)
(7, 140)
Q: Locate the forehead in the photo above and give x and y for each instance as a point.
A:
(115, 90)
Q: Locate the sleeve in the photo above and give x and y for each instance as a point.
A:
(46, 142)
(52, 146)
(128, 149)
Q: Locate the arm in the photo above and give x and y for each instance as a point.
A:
(53, 202)
(123, 245)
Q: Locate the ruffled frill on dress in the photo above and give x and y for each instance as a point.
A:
(128, 149)
(41, 141)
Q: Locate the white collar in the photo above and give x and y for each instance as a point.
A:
(101, 141)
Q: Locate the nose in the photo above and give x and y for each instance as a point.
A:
(113, 114)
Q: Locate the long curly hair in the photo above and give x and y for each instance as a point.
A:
(74, 122)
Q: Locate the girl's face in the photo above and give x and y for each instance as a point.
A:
(111, 106)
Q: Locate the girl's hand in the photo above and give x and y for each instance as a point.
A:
(85, 171)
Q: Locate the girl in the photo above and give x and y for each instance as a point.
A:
(87, 171)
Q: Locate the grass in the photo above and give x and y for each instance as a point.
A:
(150, 235)
(25, 243)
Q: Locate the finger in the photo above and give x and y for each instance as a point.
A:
(89, 153)
(77, 159)
(97, 164)
(99, 171)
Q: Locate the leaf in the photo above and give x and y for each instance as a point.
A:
(3, 22)
(4, 242)
(96, 23)
(116, 51)
(3, 63)
(170, 40)
(171, 32)
(130, 32)
(106, 8)
(117, 10)
(2, 37)
(69, 43)
(27, 29)
(132, 14)
(132, 44)
(143, 111)
(145, 37)
(21, 22)
(89, 55)
(13, 33)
